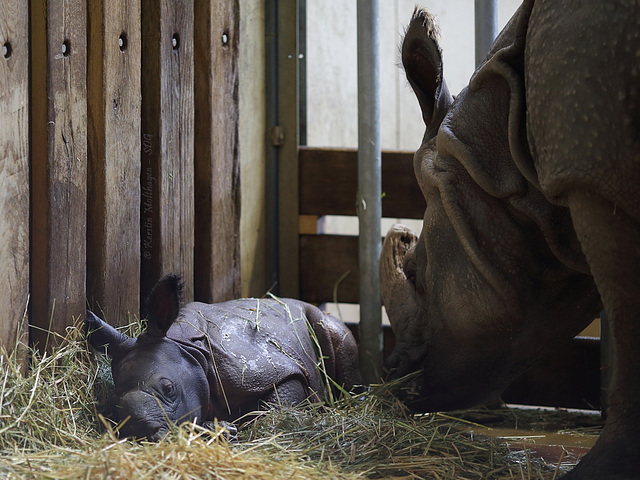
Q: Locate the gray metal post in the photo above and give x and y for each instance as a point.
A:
(486, 13)
(272, 150)
(369, 189)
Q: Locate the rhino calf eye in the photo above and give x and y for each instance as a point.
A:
(168, 388)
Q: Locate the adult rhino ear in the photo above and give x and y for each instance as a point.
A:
(422, 61)
(163, 304)
(103, 336)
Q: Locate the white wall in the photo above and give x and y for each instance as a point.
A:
(251, 132)
(332, 67)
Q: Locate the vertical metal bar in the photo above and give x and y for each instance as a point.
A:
(369, 189)
(302, 71)
(486, 13)
(272, 150)
(287, 139)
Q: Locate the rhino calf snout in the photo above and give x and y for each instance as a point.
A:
(142, 416)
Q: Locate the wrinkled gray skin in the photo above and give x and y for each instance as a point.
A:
(532, 182)
(220, 361)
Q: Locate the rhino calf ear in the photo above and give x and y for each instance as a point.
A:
(422, 61)
(163, 304)
(103, 336)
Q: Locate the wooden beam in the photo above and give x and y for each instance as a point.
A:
(59, 167)
(14, 174)
(113, 220)
(329, 268)
(217, 166)
(328, 181)
(167, 170)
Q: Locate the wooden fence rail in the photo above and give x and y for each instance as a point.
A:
(99, 184)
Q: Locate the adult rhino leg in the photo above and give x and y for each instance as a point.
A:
(610, 239)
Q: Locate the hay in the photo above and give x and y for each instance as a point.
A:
(50, 428)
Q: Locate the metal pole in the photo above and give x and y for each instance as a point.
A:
(486, 13)
(369, 190)
(272, 150)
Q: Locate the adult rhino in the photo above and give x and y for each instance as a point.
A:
(531, 177)
(202, 362)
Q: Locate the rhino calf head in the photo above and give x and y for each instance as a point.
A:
(158, 381)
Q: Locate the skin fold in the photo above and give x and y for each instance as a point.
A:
(532, 226)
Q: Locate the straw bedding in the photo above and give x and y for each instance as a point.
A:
(50, 428)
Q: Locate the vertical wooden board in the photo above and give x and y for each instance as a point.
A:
(59, 166)
(167, 210)
(14, 172)
(217, 178)
(288, 94)
(113, 219)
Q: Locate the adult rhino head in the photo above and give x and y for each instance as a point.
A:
(532, 223)
(496, 278)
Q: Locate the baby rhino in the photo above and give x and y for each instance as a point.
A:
(206, 361)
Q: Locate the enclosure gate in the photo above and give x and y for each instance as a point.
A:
(119, 158)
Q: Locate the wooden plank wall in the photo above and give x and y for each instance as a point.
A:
(167, 170)
(113, 97)
(14, 171)
(98, 139)
(217, 167)
(328, 179)
(59, 166)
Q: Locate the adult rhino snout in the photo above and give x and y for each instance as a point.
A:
(141, 416)
(398, 271)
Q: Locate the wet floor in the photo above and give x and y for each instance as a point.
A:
(555, 437)
(553, 448)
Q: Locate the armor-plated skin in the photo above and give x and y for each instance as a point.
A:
(531, 177)
(221, 361)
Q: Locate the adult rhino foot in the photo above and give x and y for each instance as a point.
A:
(611, 460)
